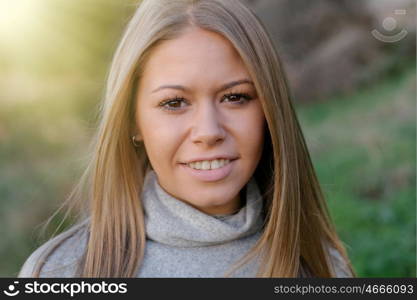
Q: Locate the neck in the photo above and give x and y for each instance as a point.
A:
(230, 208)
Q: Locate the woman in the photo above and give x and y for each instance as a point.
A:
(199, 167)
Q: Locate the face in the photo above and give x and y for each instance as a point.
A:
(200, 119)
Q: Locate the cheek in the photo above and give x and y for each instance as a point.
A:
(251, 132)
(160, 139)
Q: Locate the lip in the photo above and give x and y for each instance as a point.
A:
(210, 175)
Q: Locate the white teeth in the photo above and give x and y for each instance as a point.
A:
(197, 165)
(205, 165)
(215, 164)
(209, 165)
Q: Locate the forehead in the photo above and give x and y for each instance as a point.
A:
(197, 54)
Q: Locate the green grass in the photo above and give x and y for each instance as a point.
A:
(363, 147)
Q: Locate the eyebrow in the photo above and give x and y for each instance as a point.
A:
(222, 88)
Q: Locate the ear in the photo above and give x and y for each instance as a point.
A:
(136, 132)
(138, 136)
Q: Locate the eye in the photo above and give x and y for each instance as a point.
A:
(238, 98)
(172, 104)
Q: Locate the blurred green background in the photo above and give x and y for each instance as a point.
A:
(54, 57)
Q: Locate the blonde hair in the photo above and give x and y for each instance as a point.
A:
(298, 231)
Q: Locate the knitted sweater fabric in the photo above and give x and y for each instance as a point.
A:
(181, 241)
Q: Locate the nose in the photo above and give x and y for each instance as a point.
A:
(207, 127)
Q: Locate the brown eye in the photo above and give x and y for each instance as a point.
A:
(238, 98)
(233, 97)
(172, 104)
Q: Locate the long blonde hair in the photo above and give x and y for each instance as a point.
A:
(298, 231)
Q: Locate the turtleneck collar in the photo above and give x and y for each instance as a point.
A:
(173, 222)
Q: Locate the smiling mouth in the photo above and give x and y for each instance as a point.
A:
(209, 165)
(205, 174)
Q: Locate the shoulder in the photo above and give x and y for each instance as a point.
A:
(59, 256)
(339, 263)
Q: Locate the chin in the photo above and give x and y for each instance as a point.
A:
(211, 198)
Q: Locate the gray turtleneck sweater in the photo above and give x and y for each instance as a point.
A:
(181, 240)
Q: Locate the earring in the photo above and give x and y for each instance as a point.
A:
(134, 141)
